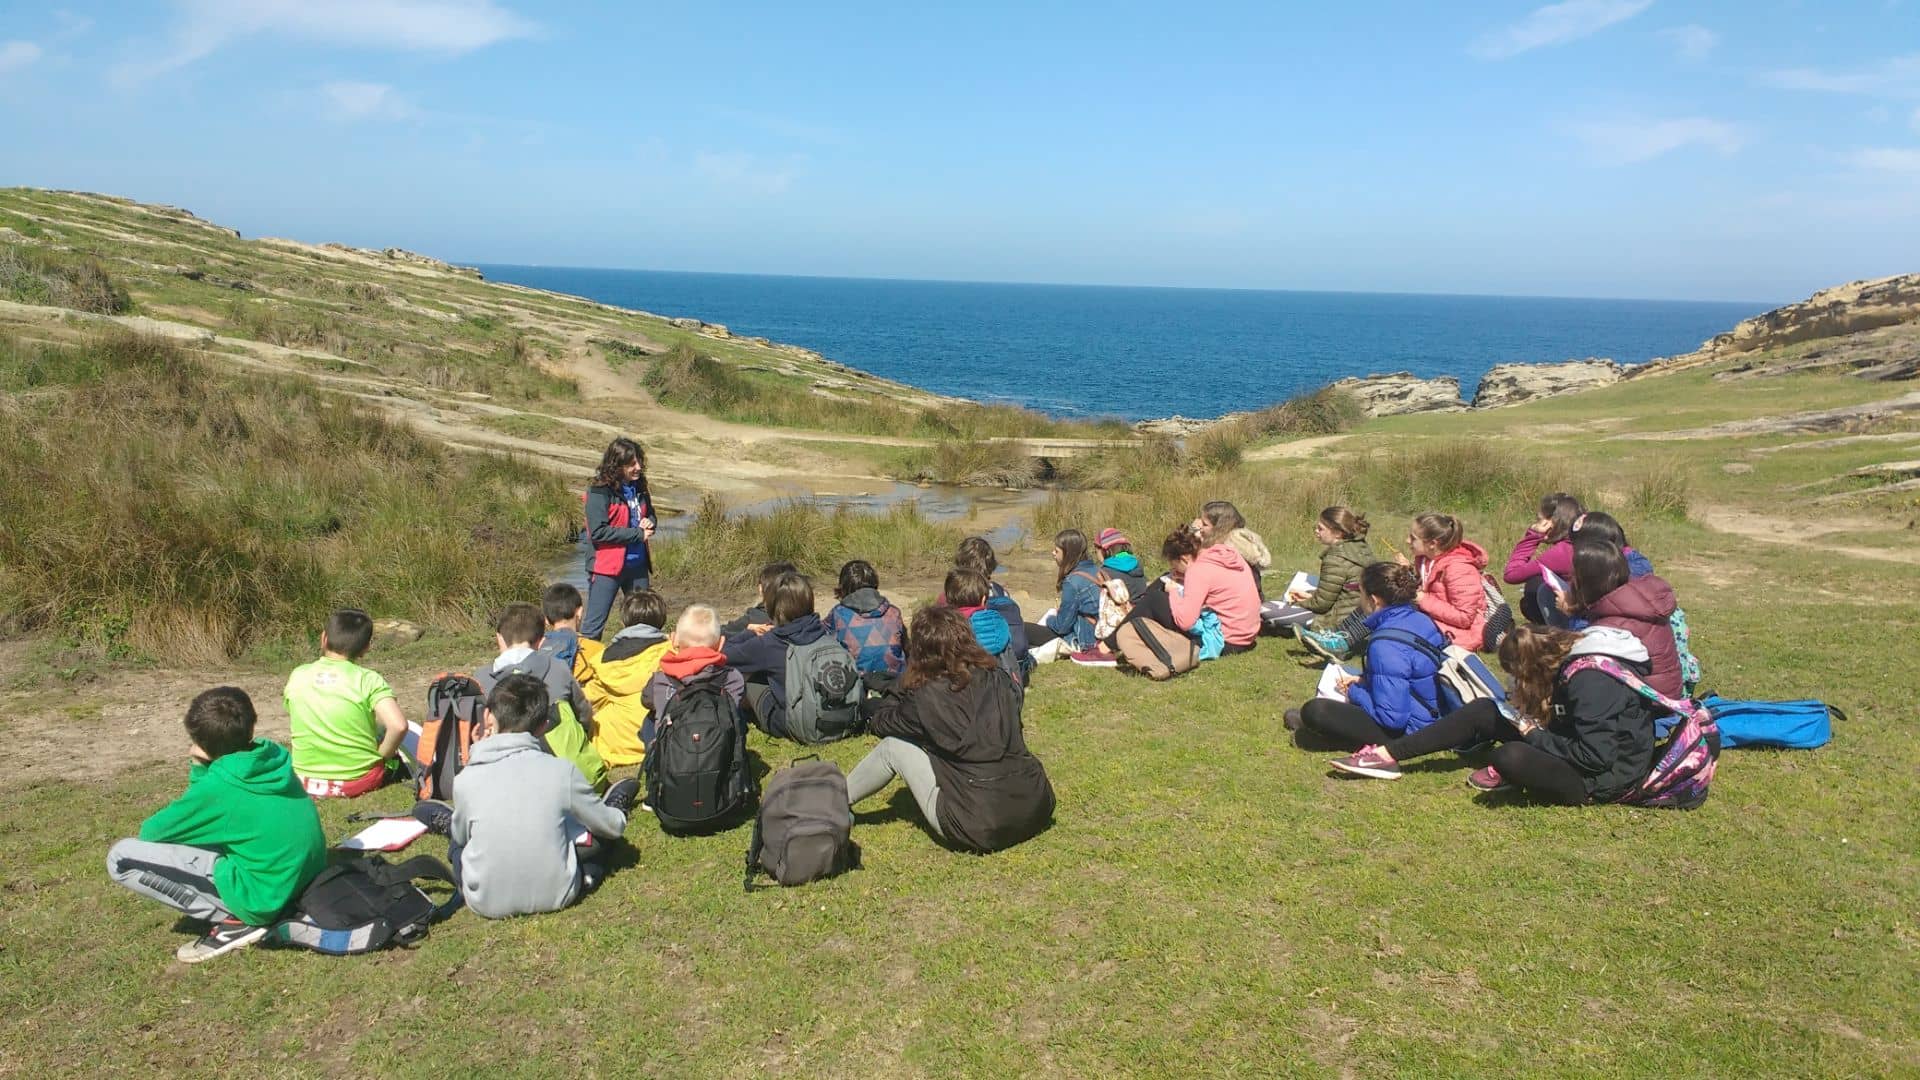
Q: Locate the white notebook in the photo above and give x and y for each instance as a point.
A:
(1329, 683)
(387, 834)
(1303, 582)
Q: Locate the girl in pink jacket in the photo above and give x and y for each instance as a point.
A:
(1451, 569)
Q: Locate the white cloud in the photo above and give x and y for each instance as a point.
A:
(446, 26)
(1895, 77)
(1692, 42)
(15, 55)
(1556, 24)
(1628, 142)
(366, 100)
(736, 169)
(1887, 159)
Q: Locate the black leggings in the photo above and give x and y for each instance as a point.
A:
(1039, 634)
(1551, 778)
(1342, 724)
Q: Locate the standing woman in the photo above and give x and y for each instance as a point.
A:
(620, 521)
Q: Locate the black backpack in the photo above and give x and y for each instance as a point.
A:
(363, 904)
(805, 828)
(697, 771)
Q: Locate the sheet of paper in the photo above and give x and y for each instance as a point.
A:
(1303, 582)
(1330, 685)
(387, 834)
(1554, 582)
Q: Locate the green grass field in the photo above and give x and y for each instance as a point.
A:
(1210, 901)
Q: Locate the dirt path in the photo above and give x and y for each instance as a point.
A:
(1298, 448)
(1812, 535)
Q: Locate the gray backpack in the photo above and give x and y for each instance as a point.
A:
(823, 691)
(805, 828)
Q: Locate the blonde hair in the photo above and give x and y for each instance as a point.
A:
(697, 628)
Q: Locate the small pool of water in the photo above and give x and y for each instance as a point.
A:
(1001, 515)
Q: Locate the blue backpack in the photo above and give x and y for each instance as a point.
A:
(1789, 725)
(1461, 676)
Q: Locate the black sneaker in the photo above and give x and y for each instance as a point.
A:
(223, 937)
(622, 794)
(435, 815)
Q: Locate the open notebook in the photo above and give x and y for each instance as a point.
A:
(387, 834)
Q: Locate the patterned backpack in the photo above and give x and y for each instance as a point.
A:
(1689, 663)
(877, 642)
(1681, 774)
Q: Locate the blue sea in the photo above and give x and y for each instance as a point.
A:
(1085, 350)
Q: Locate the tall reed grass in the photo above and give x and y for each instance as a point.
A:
(155, 505)
(725, 550)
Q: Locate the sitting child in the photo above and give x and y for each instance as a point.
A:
(694, 656)
(966, 592)
(868, 627)
(514, 839)
(623, 726)
(1335, 598)
(1397, 694)
(760, 655)
(1119, 563)
(976, 554)
(562, 605)
(518, 633)
(759, 614)
(347, 727)
(239, 845)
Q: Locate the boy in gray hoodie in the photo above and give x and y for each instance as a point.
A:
(518, 826)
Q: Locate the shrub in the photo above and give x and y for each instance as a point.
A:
(1461, 477)
(37, 276)
(721, 549)
(1325, 411)
(1219, 447)
(156, 505)
(1661, 490)
(985, 463)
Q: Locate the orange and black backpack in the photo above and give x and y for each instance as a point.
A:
(455, 706)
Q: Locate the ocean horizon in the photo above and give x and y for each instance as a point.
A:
(1133, 350)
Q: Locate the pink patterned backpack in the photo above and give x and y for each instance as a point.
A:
(1684, 768)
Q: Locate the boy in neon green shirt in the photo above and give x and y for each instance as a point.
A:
(347, 727)
(239, 845)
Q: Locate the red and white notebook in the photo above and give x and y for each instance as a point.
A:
(387, 834)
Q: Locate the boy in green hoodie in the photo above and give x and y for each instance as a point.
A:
(239, 845)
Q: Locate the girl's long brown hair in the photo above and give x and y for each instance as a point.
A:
(1532, 655)
(1073, 548)
(1562, 509)
(1343, 520)
(941, 645)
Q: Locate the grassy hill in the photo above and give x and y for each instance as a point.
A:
(1210, 901)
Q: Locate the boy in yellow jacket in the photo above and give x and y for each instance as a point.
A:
(618, 691)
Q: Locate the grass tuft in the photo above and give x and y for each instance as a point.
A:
(38, 276)
(725, 550)
(1662, 489)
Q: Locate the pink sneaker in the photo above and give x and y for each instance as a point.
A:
(1373, 761)
(1093, 658)
(1488, 778)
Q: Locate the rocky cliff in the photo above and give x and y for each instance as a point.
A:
(1511, 384)
(1844, 310)
(1403, 392)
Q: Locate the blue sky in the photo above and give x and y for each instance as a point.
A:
(1642, 148)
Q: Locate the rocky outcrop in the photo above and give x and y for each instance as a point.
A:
(1403, 392)
(1177, 426)
(1830, 313)
(1511, 384)
(712, 330)
(431, 263)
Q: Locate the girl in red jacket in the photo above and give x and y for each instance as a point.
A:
(620, 522)
(1451, 570)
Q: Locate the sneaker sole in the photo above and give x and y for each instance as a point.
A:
(1321, 651)
(1365, 770)
(191, 953)
(1491, 790)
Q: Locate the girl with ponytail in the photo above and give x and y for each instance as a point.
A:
(1396, 695)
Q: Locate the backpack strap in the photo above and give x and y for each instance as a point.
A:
(1153, 645)
(1424, 647)
(420, 867)
(1613, 669)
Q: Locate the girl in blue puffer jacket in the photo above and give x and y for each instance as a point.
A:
(1397, 694)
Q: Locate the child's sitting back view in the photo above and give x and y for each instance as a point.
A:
(966, 592)
(759, 614)
(694, 657)
(869, 627)
(518, 633)
(624, 727)
(347, 727)
(239, 845)
(521, 809)
(562, 604)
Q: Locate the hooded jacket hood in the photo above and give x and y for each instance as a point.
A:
(1126, 562)
(1467, 550)
(503, 746)
(563, 643)
(865, 601)
(802, 630)
(990, 629)
(1252, 548)
(1223, 555)
(1647, 599)
(265, 768)
(632, 641)
(1609, 641)
(686, 663)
